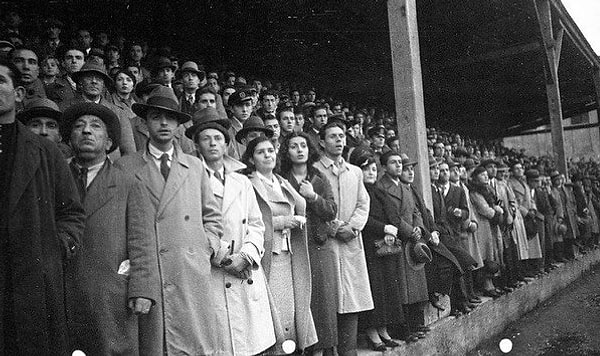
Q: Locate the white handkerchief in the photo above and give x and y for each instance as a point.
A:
(124, 268)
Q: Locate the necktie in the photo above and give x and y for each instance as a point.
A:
(190, 100)
(164, 166)
(218, 176)
(82, 182)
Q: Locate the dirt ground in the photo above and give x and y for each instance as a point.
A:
(568, 324)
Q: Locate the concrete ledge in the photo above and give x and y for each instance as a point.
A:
(457, 336)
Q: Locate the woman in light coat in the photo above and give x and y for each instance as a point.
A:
(286, 261)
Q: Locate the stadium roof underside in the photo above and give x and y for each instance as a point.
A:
(482, 60)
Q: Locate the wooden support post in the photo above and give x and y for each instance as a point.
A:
(552, 49)
(597, 85)
(408, 89)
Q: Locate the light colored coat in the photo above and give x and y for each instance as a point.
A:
(245, 321)
(469, 239)
(188, 228)
(487, 233)
(306, 334)
(527, 247)
(352, 199)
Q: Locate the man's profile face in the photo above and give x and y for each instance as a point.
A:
(393, 166)
(73, 61)
(8, 94)
(207, 100)
(26, 62)
(45, 127)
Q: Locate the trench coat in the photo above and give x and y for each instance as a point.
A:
(527, 247)
(324, 298)
(487, 233)
(245, 323)
(352, 199)
(187, 231)
(469, 239)
(414, 281)
(306, 334)
(44, 218)
(118, 229)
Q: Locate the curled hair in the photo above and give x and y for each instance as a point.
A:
(249, 154)
(285, 163)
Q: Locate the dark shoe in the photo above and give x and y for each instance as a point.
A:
(379, 346)
(508, 289)
(419, 334)
(455, 313)
(436, 304)
(471, 305)
(389, 342)
(411, 338)
(422, 328)
(475, 299)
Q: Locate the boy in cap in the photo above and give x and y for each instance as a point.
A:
(187, 231)
(118, 240)
(241, 109)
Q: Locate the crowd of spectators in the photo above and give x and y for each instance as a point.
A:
(344, 241)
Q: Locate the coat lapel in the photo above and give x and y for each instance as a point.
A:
(391, 187)
(232, 191)
(177, 175)
(26, 163)
(101, 191)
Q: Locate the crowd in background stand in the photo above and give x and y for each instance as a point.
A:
(345, 241)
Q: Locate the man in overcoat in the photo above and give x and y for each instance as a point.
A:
(566, 213)
(117, 266)
(40, 229)
(187, 231)
(245, 322)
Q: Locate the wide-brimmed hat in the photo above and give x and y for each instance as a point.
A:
(208, 118)
(532, 174)
(488, 161)
(379, 129)
(162, 98)
(40, 107)
(406, 161)
(433, 161)
(93, 66)
(111, 120)
(191, 67)
(254, 123)
(163, 62)
(417, 254)
(145, 87)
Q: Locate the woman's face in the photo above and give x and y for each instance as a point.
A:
(482, 178)
(124, 83)
(50, 67)
(370, 173)
(298, 150)
(264, 157)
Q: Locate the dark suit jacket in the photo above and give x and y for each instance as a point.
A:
(60, 91)
(456, 198)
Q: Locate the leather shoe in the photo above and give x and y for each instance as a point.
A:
(475, 299)
(436, 304)
(456, 313)
(411, 338)
(471, 305)
(379, 346)
(491, 293)
(419, 334)
(389, 342)
(423, 328)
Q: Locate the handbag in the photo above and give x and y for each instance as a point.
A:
(382, 249)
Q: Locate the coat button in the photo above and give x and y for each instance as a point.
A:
(244, 221)
(228, 284)
(186, 218)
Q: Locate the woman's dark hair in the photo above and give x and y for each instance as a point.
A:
(249, 154)
(285, 163)
(127, 73)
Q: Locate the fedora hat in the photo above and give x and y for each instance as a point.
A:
(161, 98)
(163, 62)
(208, 118)
(433, 161)
(417, 254)
(93, 66)
(254, 123)
(406, 162)
(192, 67)
(74, 112)
(40, 107)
